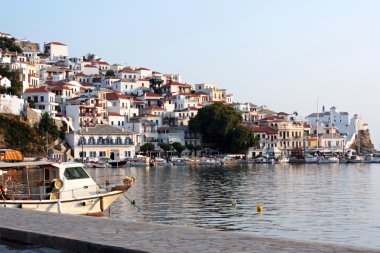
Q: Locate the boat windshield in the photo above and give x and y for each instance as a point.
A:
(75, 173)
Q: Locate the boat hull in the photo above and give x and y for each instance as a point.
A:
(92, 205)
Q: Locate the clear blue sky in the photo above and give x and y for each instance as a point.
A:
(284, 54)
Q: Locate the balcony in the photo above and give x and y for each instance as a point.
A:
(131, 143)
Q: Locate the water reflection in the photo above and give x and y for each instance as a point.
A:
(329, 203)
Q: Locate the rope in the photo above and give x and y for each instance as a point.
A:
(133, 202)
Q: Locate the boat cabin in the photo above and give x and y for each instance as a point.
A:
(45, 180)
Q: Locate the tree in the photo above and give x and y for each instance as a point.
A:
(166, 147)
(215, 123)
(191, 148)
(47, 124)
(89, 57)
(14, 77)
(179, 148)
(9, 44)
(241, 139)
(155, 85)
(110, 73)
(147, 147)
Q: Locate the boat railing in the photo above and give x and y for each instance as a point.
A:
(44, 196)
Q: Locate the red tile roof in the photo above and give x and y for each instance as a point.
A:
(184, 85)
(264, 129)
(116, 96)
(56, 43)
(114, 114)
(154, 108)
(40, 89)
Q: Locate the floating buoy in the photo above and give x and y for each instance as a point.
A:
(233, 203)
(259, 208)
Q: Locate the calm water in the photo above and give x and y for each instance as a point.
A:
(327, 203)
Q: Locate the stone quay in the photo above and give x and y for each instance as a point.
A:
(72, 233)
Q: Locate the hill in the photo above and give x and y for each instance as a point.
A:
(15, 133)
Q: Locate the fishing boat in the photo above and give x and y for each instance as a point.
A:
(329, 159)
(56, 187)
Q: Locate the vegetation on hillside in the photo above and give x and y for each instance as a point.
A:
(30, 140)
(14, 77)
(9, 44)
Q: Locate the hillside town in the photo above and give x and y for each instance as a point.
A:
(111, 110)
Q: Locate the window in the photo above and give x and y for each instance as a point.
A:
(75, 173)
(102, 153)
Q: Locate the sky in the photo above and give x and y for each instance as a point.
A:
(285, 54)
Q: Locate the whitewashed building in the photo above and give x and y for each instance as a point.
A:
(103, 141)
(42, 98)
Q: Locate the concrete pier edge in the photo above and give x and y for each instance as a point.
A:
(93, 234)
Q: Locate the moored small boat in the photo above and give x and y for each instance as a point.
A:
(53, 187)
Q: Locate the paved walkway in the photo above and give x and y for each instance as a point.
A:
(94, 234)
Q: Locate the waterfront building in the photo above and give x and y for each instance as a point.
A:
(169, 134)
(269, 140)
(103, 141)
(341, 120)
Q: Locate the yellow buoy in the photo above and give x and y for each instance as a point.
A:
(259, 208)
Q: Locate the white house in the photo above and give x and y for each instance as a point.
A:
(5, 82)
(42, 98)
(89, 69)
(103, 141)
(56, 50)
(121, 104)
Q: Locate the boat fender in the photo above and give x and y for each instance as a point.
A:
(57, 184)
(129, 180)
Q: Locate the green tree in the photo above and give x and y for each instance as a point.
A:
(215, 123)
(9, 44)
(241, 139)
(166, 147)
(191, 148)
(147, 147)
(179, 148)
(14, 77)
(155, 85)
(110, 73)
(47, 124)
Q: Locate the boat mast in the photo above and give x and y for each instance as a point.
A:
(317, 127)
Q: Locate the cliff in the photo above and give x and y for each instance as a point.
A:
(363, 142)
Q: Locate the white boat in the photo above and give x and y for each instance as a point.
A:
(158, 161)
(209, 162)
(311, 159)
(58, 188)
(330, 159)
(355, 159)
(282, 160)
(138, 161)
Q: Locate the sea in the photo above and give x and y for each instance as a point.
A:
(329, 203)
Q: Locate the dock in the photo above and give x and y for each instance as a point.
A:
(72, 233)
